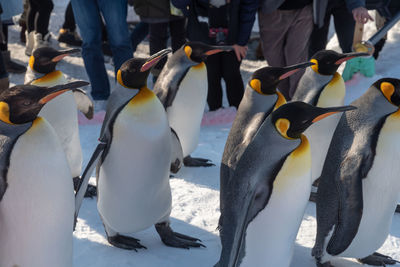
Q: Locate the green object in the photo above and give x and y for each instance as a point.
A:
(363, 65)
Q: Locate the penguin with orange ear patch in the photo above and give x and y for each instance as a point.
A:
(36, 191)
(265, 200)
(133, 170)
(359, 185)
(62, 112)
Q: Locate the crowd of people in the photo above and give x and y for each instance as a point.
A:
(291, 31)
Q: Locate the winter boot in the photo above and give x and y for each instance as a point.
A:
(69, 37)
(30, 41)
(40, 40)
(11, 66)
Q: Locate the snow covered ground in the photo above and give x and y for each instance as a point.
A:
(195, 191)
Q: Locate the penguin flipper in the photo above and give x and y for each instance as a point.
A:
(377, 259)
(197, 162)
(177, 153)
(177, 240)
(84, 103)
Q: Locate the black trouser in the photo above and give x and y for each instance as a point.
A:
(224, 65)
(4, 46)
(39, 15)
(159, 36)
(69, 21)
(344, 26)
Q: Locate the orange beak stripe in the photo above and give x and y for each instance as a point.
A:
(58, 58)
(214, 51)
(320, 117)
(51, 96)
(287, 74)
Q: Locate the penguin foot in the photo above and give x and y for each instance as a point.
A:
(197, 162)
(91, 190)
(177, 240)
(125, 242)
(378, 259)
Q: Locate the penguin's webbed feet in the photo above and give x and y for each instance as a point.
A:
(125, 242)
(197, 162)
(177, 240)
(91, 190)
(378, 259)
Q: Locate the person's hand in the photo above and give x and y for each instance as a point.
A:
(240, 51)
(361, 15)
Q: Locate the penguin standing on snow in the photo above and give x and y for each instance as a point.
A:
(133, 171)
(322, 86)
(259, 100)
(61, 113)
(36, 191)
(182, 89)
(359, 185)
(265, 200)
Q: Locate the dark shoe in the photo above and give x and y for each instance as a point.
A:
(4, 83)
(11, 66)
(69, 37)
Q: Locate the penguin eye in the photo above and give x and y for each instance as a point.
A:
(26, 103)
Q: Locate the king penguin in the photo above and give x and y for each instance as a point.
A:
(133, 171)
(260, 98)
(62, 112)
(265, 201)
(322, 86)
(36, 191)
(359, 185)
(182, 89)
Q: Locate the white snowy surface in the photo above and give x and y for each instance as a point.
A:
(195, 191)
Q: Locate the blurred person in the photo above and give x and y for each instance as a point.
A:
(285, 28)
(4, 81)
(37, 22)
(345, 13)
(88, 16)
(67, 33)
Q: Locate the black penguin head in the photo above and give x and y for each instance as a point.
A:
(133, 73)
(292, 119)
(45, 59)
(328, 61)
(22, 103)
(265, 80)
(390, 88)
(198, 52)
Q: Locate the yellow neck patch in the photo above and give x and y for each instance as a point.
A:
(314, 67)
(188, 51)
(280, 101)
(334, 92)
(199, 66)
(48, 79)
(282, 125)
(303, 147)
(5, 112)
(144, 95)
(387, 90)
(31, 62)
(255, 84)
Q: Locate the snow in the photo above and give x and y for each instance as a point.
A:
(195, 191)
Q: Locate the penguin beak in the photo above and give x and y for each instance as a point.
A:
(290, 70)
(57, 90)
(65, 53)
(217, 49)
(325, 112)
(153, 60)
(347, 56)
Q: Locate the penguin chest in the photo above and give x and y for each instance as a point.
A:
(271, 235)
(37, 211)
(133, 185)
(187, 109)
(62, 114)
(381, 191)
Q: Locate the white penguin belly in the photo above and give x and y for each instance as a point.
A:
(271, 235)
(62, 114)
(133, 185)
(381, 190)
(37, 211)
(187, 109)
(320, 136)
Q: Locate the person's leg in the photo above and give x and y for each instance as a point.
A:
(319, 36)
(344, 26)
(297, 41)
(43, 17)
(138, 34)
(87, 16)
(11, 66)
(233, 78)
(214, 74)
(31, 15)
(114, 13)
(67, 33)
(273, 28)
(69, 20)
(177, 29)
(158, 40)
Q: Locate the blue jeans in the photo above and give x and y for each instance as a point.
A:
(88, 19)
(138, 34)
